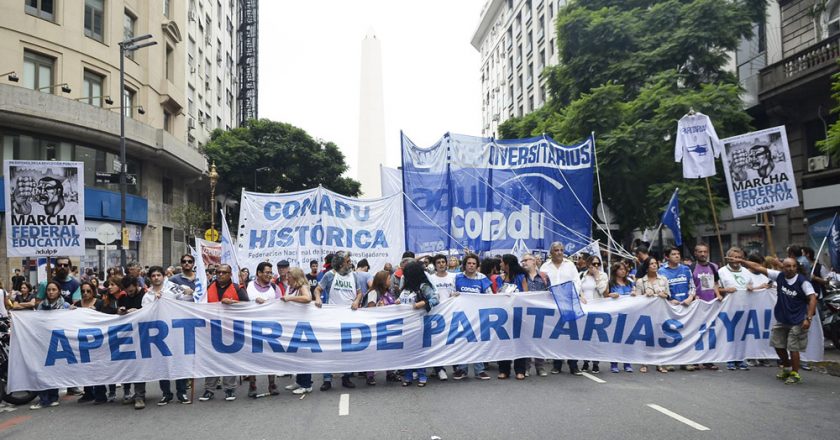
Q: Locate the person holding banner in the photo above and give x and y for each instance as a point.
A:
(470, 280)
(52, 301)
(298, 292)
(620, 285)
(340, 287)
(560, 270)
(222, 290)
(418, 293)
(735, 280)
(593, 285)
(187, 277)
(514, 280)
(796, 304)
(261, 291)
(653, 285)
(681, 288)
(129, 301)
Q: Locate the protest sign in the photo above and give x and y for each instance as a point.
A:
(45, 208)
(306, 225)
(172, 339)
(759, 173)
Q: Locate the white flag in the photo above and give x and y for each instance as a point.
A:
(591, 249)
(200, 293)
(229, 252)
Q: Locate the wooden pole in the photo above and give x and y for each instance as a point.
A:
(769, 234)
(714, 217)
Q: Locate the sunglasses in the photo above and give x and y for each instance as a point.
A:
(220, 272)
(596, 264)
(87, 291)
(187, 261)
(62, 265)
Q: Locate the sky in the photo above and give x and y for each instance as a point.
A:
(309, 64)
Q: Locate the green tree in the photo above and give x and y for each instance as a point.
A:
(628, 71)
(831, 144)
(295, 160)
(191, 218)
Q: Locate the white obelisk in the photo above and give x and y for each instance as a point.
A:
(371, 118)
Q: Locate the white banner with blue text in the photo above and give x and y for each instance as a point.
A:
(178, 339)
(307, 225)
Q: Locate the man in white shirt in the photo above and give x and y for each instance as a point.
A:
(442, 280)
(560, 270)
(734, 279)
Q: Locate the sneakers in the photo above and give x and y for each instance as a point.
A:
(39, 405)
(272, 389)
(165, 399)
(302, 390)
(595, 369)
(85, 399)
(326, 386)
(585, 366)
(614, 369)
(184, 399)
(793, 377)
(371, 381)
(127, 399)
(292, 386)
(112, 397)
(577, 372)
(36, 406)
(442, 375)
(542, 373)
(252, 391)
(139, 403)
(556, 371)
(459, 374)
(784, 374)
(730, 366)
(483, 376)
(422, 382)
(230, 396)
(806, 366)
(628, 368)
(208, 395)
(347, 383)
(744, 366)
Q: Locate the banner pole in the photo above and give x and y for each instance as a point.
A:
(714, 217)
(769, 234)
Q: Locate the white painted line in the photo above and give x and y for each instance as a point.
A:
(678, 417)
(593, 378)
(344, 405)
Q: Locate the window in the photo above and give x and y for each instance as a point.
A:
(834, 19)
(166, 8)
(41, 8)
(167, 190)
(129, 21)
(170, 63)
(38, 72)
(129, 102)
(191, 101)
(94, 19)
(167, 121)
(92, 88)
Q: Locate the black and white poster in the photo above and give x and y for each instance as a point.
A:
(759, 173)
(45, 208)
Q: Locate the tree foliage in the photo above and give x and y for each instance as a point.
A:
(294, 159)
(831, 144)
(191, 218)
(628, 71)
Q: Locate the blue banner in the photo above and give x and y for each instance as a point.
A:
(671, 217)
(834, 243)
(497, 195)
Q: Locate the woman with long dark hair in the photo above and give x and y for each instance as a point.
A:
(490, 267)
(513, 280)
(419, 293)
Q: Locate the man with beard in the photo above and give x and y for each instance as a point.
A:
(339, 286)
(69, 285)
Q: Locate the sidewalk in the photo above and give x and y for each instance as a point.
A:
(831, 359)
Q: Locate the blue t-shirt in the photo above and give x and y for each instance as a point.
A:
(622, 290)
(679, 279)
(481, 284)
(518, 284)
(69, 289)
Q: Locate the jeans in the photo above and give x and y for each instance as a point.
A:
(180, 387)
(328, 377)
(408, 375)
(573, 364)
(100, 393)
(519, 366)
(478, 368)
(304, 380)
(48, 396)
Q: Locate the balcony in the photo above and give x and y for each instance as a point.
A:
(815, 62)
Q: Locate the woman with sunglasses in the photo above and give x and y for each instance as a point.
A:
(593, 285)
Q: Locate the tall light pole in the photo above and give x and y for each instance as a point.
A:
(214, 178)
(129, 45)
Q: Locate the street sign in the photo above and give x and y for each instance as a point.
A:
(106, 233)
(114, 178)
(211, 235)
(125, 238)
(106, 247)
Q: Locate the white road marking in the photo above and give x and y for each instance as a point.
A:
(678, 417)
(593, 378)
(344, 405)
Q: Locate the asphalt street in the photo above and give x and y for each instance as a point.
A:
(728, 404)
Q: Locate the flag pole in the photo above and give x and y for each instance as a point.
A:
(822, 245)
(769, 235)
(714, 218)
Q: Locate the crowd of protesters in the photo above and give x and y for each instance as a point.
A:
(424, 283)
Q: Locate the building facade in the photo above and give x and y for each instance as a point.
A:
(516, 39)
(60, 100)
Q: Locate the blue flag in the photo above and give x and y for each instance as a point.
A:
(568, 302)
(834, 242)
(671, 217)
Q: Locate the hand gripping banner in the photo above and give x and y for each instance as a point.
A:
(497, 195)
(172, 339)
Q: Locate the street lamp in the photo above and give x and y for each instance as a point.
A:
(129, 45)
(214, 178)
(258, 170)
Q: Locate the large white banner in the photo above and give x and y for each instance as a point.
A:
(176, 339)
(759, 173)
(307, 225)
(45, 208)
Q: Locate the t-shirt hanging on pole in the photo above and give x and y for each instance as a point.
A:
(697, 146)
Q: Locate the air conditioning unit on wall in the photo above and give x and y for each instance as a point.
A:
(817, 163)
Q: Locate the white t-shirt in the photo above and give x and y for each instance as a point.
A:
(343, 289)
(444, 285)
(806, 285)
(738, 279)
(270, 294)
(588, 287)
(697, 146)
(558, 275)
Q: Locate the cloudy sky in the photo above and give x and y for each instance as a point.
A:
(310, 61)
